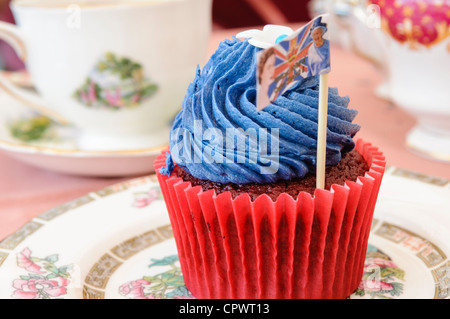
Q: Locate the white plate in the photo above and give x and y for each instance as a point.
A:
(60, 152)
(118, 243)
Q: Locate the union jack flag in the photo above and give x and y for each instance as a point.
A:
(292, 60)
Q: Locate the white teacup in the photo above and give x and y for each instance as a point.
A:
(117, 70)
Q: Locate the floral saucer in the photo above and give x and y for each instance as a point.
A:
(117, 243)
(38, 141)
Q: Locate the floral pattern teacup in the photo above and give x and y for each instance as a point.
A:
(117, 71)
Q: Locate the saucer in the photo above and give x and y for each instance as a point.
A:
(58, 148)
(117, 243)
(18, 78)
(429, 143)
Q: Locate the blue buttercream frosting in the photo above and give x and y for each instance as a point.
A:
(220, 136)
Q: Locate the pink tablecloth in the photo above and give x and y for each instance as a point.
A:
(26, 191)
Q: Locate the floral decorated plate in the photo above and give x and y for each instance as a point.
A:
(118, 243)
(38, 141)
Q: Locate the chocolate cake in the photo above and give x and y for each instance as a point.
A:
(349, 168)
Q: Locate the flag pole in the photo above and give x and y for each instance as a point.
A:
(322, 131)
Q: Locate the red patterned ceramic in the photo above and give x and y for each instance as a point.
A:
(416, 22)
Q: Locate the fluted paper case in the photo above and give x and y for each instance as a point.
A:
(309, 247)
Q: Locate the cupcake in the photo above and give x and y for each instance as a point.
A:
(239, 185)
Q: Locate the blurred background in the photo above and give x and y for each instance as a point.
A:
(244, 13)
(226, 14)
(8, 59)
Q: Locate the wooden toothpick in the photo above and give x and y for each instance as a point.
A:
(322, 131)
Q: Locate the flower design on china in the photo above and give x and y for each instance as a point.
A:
(382, 278)
(31, 129)
(44, 279)
(421, 23)
(115, 83)
(267, 37)
(143, 199)
(167, 284)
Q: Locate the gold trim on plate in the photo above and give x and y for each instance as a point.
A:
(3, 256)
(100, 273)
(61, 209)
(91, 293)
(13, 240)
(130, 247)
(442, 278)
(437, 181)
(428, 252)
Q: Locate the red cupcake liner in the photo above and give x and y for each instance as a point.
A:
(309, 247)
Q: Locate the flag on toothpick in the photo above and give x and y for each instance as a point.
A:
(304, 53)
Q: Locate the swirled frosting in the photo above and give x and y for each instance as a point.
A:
(220, 136)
